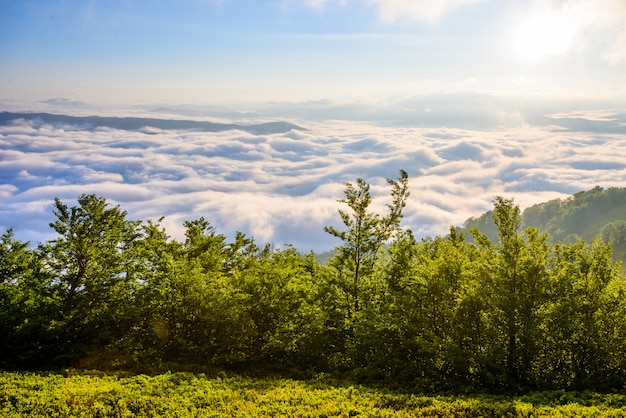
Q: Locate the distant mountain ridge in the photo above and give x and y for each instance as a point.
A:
(586, 214)
(136, 123)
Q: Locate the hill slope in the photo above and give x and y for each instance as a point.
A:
(586, 214)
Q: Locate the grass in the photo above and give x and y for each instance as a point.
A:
(93, 394)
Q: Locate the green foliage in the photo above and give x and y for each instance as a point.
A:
(516, 291)
(614, 233)
(90, 256)
(14, 259)
(187, 394)
(366, 233)
(579, 328)
(91, 261)
(585, 214)
(15, 270)
(507, 313)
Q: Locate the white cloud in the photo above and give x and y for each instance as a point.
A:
(419, 10)
(284, 187)
(317, 4)
(7, 190)
(402, 10)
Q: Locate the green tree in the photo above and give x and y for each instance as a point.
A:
(365, 235)
(92, 261)
(14, 258)
(156, 264)
(514, 278)
(187, 304)
(452, 307)
(614, 232)
(205, 246)
(438, 303)
(15, 271)
(521, 279)
(284, 318)
(583, 320)
(28, 308)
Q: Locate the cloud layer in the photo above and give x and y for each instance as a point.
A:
(282, 188)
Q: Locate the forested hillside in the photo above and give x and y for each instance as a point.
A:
(514, 312)
(587, 214)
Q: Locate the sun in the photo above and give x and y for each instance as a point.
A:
(543, 34)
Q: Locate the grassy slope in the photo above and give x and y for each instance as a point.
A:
(588, 229)
(187, 394)
(591, 229)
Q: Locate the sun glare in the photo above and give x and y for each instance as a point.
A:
(543, 34)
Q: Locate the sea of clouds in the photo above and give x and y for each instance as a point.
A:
(283, 187)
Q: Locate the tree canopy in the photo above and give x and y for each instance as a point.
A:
(512, 312)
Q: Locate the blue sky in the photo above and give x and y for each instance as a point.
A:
(234, 51)
(473, 98)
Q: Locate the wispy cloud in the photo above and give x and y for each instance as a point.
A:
(403, 10)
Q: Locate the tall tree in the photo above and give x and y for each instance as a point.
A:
(586, 298)
(14, 258)
(365, 234)
(516, 289)
(92, 259)
(20, 302)
(204, 245)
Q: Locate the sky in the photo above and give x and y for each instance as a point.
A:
(233, 51)
(473, 98)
